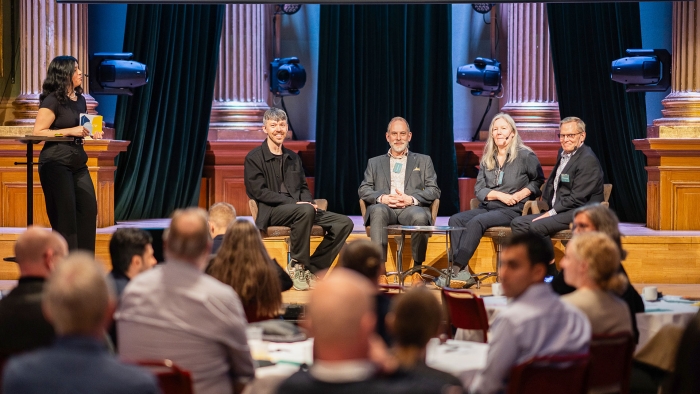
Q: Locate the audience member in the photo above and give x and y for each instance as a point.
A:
(685, 378)
(596, 217)
(592, 265)
(131, 250)
(22, 323)
(78, 301)
(536, 322)
(243, 264)
(365, 257)
(177, 312)
(221, 215)
(411, 334)
(341, 320)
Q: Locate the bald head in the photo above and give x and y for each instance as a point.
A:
(37, 251)
(188, 236)
(342, 316)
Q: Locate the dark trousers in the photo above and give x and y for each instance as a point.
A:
(476, 222)
(70, 203)
(301, 218)
(381, 215)
(544, 227)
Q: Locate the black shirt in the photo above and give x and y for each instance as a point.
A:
(277, 165)
(68, 114)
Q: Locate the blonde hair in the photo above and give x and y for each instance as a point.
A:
(222, 214)
(77, 295)
(516, 144)
(603, 258)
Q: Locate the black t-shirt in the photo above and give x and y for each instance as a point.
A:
(277, 165)
(67, 115)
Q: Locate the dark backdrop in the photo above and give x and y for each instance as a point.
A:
(377, 62)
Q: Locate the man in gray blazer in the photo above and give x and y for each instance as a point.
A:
(398, 188)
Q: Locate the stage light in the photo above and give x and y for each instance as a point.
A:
(287, 76)
(288, 9)
(482, 8)
(116, 73)
(645, 70)
(483, 77)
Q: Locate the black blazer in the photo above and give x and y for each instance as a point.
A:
(261, 184)
(22, 323)
(584, 185)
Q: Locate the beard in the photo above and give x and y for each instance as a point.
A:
(399, 148)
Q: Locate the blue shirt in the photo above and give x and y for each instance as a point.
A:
(537, 323)
(75, 364)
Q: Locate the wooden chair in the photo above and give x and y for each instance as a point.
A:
(550, 374)
(611, 363)
(466, 310)
(171, 379)
(286, 232)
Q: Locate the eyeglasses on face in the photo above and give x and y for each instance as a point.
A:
(568, 136)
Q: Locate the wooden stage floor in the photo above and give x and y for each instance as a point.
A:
(654, 257)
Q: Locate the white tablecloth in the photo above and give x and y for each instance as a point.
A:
(669, 310)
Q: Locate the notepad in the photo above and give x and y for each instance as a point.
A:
(93, 123)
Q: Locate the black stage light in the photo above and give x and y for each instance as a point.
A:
(645, 70)
(115, 73)
(482, 8)
(483, 77)
(287, 76)
(288, 9)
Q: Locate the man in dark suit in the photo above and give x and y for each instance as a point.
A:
(275, 179)
(22, 323)
(78, 301)
(576, 180)
(398, 188)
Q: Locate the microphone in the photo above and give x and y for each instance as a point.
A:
(85, 75)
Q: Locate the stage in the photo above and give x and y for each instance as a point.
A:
(659, 257)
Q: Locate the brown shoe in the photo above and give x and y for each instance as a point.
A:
(383, 280)
(416, 280)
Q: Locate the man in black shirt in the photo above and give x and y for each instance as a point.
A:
(22, 323)
(275, 179)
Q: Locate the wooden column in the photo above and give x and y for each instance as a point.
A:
(241, 91)
(47, 30)
(530, 94)
(673, 144)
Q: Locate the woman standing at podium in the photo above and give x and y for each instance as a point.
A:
(68, 189)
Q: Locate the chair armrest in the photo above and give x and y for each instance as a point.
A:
(322, 203)
(535, 207)
(474, 203)
(434, 206)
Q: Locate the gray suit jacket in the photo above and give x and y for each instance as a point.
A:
(420, 182)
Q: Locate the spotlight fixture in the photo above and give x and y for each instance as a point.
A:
(288, 9)
(116, 73)
(645, 70)
(287, 76)
(483, 77)
(482, 8)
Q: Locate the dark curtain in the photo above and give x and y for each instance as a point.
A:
(585, 39)
(166, 120)
(377, 62)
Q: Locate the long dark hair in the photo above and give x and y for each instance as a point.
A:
(59, 79)
(243, 263)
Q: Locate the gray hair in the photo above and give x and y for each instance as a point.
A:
(580, 126)
(275, 114)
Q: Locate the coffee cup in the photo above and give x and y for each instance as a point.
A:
(650, 293)
(497, 289)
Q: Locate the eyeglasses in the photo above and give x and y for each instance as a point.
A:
(568, 136)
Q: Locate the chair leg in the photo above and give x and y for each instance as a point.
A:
(288, 241)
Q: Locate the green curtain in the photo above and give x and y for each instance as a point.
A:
(166, 120)
(582, 53)
(377, 62)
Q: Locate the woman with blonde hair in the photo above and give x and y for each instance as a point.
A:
(509, 175)
(243, 263)
(592, 265)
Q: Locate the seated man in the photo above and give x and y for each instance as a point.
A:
(398, 189)
(576, 180)
(131, 251)
(22, 323)
(221, 215)
(78, 301)
(536, 322)
(177, 312)
(275, 179)
(341, 321)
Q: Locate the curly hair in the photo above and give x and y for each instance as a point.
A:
(59, 79)
(243, 263)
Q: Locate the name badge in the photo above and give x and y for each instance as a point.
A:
(565, 177)
(500, 178)
(397, 167)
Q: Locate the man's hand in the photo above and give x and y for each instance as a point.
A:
(310, 203)
(405, 200)
(544, 215)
